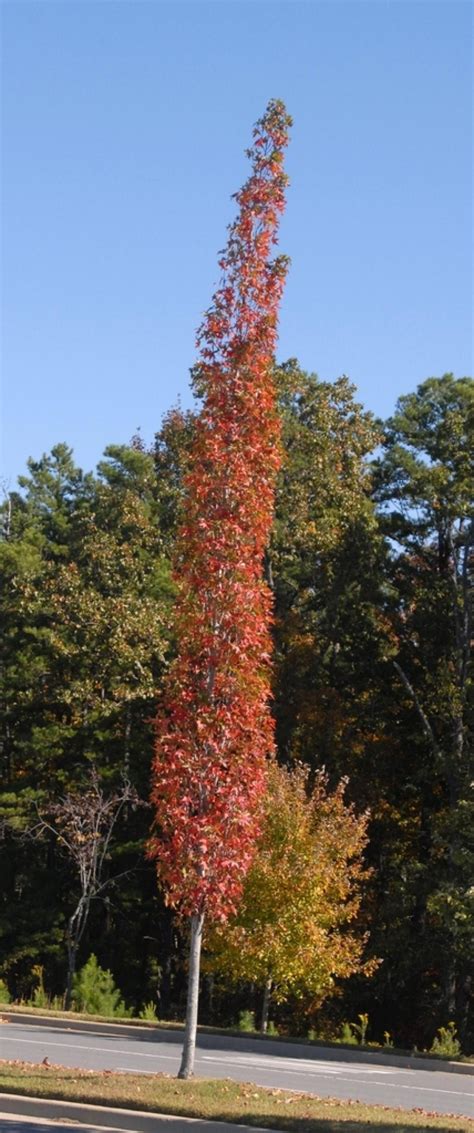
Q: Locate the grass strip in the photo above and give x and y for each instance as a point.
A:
(217, 1100)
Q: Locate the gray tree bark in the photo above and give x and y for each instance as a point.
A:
(186, 1069)
(266, 1006)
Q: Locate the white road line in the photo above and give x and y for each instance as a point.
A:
(342, 1078)
(249, 1064)
(256, 1061)
(133, 1070)
(223, 1059)
(105, 1049)
(309, 1066)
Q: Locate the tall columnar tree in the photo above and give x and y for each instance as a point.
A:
(214, 731)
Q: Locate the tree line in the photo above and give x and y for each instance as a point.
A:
(370, 567)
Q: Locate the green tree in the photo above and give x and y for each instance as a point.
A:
(325, 561)
(95, 991)
(86, 603)
(171, 454)
(424, 489)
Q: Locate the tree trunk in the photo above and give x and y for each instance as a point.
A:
(210, 992)
(186, 1069)
(266, 1006)
(75, 929)
(71, 969)
(169, 947)
(450, 987)
(464, 996)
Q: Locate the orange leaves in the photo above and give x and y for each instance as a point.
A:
(214, 732)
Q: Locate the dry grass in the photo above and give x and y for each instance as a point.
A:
(218, 1100)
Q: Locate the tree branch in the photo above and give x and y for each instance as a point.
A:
(419, 708)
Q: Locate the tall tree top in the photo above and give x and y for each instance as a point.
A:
(424, 477)
(243, 313)
(215, 731)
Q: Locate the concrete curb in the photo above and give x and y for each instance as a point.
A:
(211, 1041)
(132, 1120)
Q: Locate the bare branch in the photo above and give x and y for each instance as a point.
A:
(421, 712)
(84, 823)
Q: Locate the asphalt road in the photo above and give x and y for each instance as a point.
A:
(9, 1124)
(434, 1090)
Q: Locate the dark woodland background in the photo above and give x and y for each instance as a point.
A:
(371, 564)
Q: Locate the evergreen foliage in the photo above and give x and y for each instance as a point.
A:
(371, 573)
(94, 991)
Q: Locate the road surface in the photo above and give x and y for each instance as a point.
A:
(434, 1090)
(11, 1124)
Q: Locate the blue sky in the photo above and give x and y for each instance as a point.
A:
(124, 130)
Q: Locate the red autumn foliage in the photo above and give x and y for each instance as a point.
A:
(214, 730)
